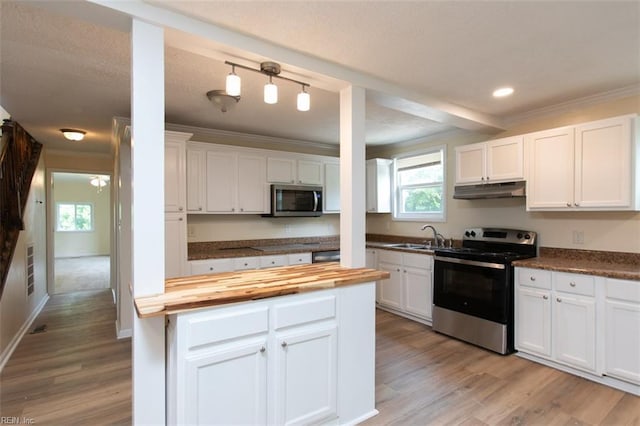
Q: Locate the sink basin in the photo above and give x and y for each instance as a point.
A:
(409, 246)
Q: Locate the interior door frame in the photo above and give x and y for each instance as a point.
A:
(51, 221)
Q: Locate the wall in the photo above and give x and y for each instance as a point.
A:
(610, 231)
(252, 227)
(93, 243)
(17, 309)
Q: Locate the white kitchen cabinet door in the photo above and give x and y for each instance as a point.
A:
(390, 290)
(418, 291)
(306, 388)
(622, 329)
(574, 331)
(222, 184)
(299, 258)
(378, 174)
(174, 176)
(505, 160)
(309, 172)
(331, 188)
(251, 184)
(471, 163)
(603, 164)
(533, 321)
(551, 172)
(211, 266)
(175, 247)
(242, 368)
(196, 181)
(281, 170)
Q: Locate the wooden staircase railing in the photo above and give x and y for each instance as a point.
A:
(18, 162)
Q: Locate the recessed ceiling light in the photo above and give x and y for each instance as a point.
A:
(502, 92)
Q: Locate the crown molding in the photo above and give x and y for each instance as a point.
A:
(623, 92)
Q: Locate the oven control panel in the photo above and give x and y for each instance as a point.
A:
(503, 235)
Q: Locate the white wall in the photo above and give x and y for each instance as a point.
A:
(17, 310)
(609, 231)
(90, 243)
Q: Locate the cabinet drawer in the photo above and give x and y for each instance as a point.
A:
(575, 284)
(305, 311)
(244, 263)
(225, 324)
(273, 261)
(423, 261)
(390, 256)
(211, 266)
(628, 291)
(534, 278)
(299, 258)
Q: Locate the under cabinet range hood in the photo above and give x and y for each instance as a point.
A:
(490, 190)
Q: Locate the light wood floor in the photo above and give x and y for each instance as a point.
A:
(425, 378)
(78, 373)
(75, 372)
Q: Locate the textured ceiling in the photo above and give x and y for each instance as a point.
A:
(67, 64)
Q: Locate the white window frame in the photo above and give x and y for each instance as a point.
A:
(76, 203)
(395, 193)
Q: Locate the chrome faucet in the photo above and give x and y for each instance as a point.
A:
(436, 235)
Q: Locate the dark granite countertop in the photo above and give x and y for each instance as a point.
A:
(624, 266)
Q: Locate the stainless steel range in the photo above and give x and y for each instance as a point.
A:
(473, 294)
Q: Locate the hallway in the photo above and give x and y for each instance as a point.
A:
(73, 372)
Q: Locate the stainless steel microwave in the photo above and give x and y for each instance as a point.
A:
(295, 200)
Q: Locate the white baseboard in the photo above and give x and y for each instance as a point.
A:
(363, 417)
(124, 333)
(6, 354)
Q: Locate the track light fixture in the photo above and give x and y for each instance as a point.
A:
(272, 69)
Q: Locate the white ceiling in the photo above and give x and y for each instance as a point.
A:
(66, 64)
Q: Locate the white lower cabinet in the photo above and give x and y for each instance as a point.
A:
(276, 361)
(622, 330)
(409, 290)
(583, 324)
(175, 248)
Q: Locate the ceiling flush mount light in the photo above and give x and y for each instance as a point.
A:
(222, 99)
(73, 134)
(272, 69)
(502, 92)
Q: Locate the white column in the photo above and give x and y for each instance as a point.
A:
(147, 217)
(352, 177)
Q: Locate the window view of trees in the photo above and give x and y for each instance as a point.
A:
(419, 185)
(74, 217)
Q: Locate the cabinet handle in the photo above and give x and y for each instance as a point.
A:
(532, 278)
(568, 204)
(263, 349)
(572, 284)
(284, 344)
(558, 300)
(545, 297)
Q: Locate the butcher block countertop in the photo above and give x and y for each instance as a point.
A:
(624, 266)
(200, 291)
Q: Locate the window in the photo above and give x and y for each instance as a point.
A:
(74, 217)
(419, 185)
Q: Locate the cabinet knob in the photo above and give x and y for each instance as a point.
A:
(404, 270)
(263, 349)
(200, 208)
(558, 300)
(211, 268)
(397, 269)
(246, 264)
(180, 219)
(576, 204)
(180, 208)
(532, 278)
(284, 344)
(568, 204)
(572, 284)
(233, 209)
(241, 209)
(482, 178)
(545, 297)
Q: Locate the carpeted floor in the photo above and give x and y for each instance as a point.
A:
(81, 273)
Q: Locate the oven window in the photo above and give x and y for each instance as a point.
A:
(473, 290)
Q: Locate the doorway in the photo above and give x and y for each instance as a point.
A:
(80, 230)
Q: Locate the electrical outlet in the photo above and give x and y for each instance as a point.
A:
(578, 237)
(190, 231)
(287, 228)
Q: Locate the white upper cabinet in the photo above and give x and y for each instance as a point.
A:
(331, 187)
(196, 181)
(500, 160)
(294, 171)
(174, 171)
(378, 185)
(586, 167)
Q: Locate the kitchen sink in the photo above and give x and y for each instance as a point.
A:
(409, 246)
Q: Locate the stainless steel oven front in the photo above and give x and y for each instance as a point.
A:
(473, 301)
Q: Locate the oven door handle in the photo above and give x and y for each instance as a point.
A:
(470, 262)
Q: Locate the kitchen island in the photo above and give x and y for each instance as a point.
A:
(283, 345)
